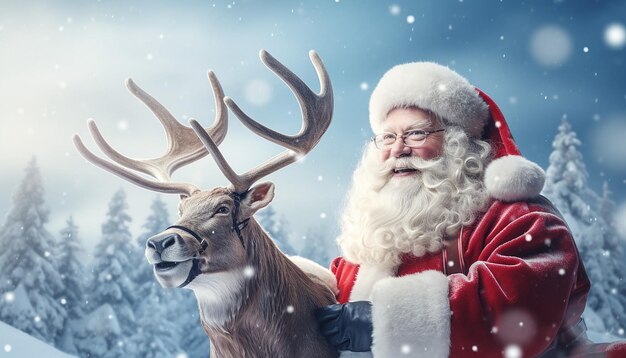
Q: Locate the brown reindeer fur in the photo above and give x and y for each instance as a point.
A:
(263, 326)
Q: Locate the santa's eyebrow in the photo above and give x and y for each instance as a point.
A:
(419, 126)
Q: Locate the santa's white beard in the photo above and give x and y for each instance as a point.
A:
(388, 215)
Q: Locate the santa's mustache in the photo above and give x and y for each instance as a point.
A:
(415, 163)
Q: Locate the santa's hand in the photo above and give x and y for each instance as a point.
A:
(347, 326)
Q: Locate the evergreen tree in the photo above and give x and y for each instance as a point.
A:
(29, 279)
(157, 309)
(319, 246)
(585, 212)
(157, 334)
(112, 292)
(156, 222)
(194, 341)
(566, 177)
(72, 273)
(276, 228)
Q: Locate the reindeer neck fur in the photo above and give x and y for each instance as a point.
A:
(269, 313)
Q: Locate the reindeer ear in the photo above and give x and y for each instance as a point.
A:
(257, 198)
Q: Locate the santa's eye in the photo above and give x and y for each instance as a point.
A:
(222, 210)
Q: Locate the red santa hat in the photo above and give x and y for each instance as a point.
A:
(436, 88)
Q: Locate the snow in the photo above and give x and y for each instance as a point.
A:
(258, 92)
(608, 144)
(550, 46)
(16, 343)
(615, 35)
(620, 220)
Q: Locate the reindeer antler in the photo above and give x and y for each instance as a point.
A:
(184, 146)
(316, 109)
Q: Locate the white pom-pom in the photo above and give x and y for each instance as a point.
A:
(514, 178)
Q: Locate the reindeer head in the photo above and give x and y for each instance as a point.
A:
(207, 237)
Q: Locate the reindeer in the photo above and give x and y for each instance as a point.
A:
(253, 300)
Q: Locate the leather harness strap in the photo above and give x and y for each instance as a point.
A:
(451, 256)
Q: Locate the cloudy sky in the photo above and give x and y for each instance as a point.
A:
(62, 62)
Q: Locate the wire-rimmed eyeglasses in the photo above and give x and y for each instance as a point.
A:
(412, 139)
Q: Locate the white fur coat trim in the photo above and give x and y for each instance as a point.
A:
(366, 278)
(316, 271)
(411, 316)
(432, 87)
(513, 178)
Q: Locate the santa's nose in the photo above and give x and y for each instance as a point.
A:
(399, 149)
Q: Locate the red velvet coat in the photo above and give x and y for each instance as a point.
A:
(522, 287)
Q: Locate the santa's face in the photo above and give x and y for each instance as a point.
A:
(403, 120)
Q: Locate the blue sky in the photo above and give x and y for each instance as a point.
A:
(62, 62)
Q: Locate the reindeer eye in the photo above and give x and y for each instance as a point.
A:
(222, 210)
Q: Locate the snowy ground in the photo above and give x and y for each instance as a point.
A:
(16, 343)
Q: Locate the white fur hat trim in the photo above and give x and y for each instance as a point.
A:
(432, 87)
(513, 178)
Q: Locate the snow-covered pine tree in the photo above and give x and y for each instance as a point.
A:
(566, 186)
(175, 321)
(319, 246)
(194, 342)
(156, 309)
(111, 293)
(156, 222)
(276, 228)
(566, 177)
(157, 334)
(72, 273)
(29, 279)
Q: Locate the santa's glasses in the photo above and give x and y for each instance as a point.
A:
(411, 139)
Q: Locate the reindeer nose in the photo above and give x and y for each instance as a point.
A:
(162, 241)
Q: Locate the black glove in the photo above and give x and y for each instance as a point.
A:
(347, 326)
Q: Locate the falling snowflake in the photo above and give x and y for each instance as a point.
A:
(63, 301)
(37, 319)
(248, 272)
(410, 19)
(405, 349)
(323, 216)
(364, 86)
(258, 92)
(551, 46)
(182, 355)
(290, 309)
(7, 348)
(9, 297)
(394, 10)
(529, 237)
(615, 35)
(561, 271)
(512, 351)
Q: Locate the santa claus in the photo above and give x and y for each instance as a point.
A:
(448, 247)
